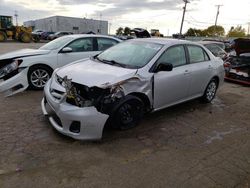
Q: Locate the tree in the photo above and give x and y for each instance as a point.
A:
(237, 32)
(209, 32)
(119, 31)
(214, 31)
(127, 31)
(192, 32)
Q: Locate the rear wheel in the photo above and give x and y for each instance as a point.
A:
(3, 36)
(38, 76)
(128, 113)
(210, 91)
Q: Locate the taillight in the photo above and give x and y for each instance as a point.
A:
(227, 65)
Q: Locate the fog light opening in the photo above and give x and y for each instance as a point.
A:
(75, 127)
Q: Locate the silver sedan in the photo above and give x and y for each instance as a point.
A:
(118, 86)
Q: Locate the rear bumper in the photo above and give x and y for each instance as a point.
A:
(16, 84)
(63, 116)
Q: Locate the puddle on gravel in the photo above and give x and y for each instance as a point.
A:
(220, 135)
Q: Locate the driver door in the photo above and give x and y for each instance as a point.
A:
(81, 48)
(172, 87)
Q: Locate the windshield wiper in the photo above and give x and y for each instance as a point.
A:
(96, 57)
(113, 62)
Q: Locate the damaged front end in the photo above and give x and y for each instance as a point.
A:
(9, 68)
(83, 96)
(81, 112)
(10, 83)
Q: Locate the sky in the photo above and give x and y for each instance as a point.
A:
(149, 14)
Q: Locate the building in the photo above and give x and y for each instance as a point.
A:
(71, 24)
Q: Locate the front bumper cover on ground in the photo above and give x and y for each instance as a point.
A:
(62, 116)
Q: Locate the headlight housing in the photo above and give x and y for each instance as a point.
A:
(10, 68)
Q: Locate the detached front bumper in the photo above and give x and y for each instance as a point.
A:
(16, 84)
(78, 123)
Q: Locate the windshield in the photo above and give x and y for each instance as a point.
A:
(57, 43)
(131, 54)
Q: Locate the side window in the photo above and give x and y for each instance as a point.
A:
(104, 43)
(82, 45)
(174, 55)
(197, 54)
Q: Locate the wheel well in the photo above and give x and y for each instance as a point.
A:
(144, 99)
(42, 65)
(216, 78)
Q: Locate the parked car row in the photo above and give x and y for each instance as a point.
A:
(93, 81)
(48, 35)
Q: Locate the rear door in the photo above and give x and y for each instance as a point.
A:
(81, 48)
(105, 43)
(172, 87)
(201, 69)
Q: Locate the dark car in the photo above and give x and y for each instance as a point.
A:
(241, 46)
(237, 66)
(46, 34)
(59, 34)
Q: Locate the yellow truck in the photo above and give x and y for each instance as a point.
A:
(9, 31)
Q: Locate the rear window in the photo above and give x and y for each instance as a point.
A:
(197, 54)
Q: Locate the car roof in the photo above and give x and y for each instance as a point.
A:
(210, 42)
(165, 41)
(75, 36)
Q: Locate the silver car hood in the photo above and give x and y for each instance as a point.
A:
(91, 73)
(24, 53)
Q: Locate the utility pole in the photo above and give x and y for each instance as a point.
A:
(183, 16)
(248, 31)
(217, 15)
(100, 24)
(110, 24)
(16, 15)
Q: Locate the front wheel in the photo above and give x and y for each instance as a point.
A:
(210, 91)
(128, 113)
(38, 76)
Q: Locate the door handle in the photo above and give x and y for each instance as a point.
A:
(210, 67)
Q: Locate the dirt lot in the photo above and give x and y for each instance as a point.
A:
(189, 145)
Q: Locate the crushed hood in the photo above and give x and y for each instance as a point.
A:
(91, 73)
(24, 53)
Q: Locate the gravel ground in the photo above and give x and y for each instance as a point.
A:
(188, 145)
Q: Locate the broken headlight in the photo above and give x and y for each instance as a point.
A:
(10, 68)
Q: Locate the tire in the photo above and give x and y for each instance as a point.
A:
(36, 38)
(128, 113)
(25, 37)
(3, 36)
(38, 76)
(210, 91)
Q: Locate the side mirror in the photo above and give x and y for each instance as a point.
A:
(66, 50)
(164, 67)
